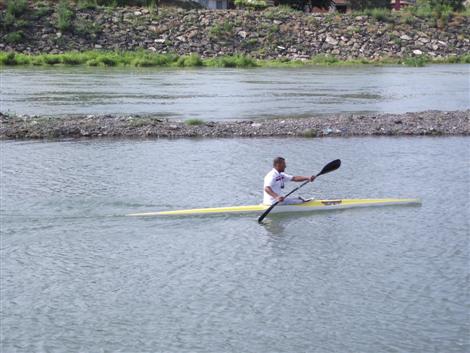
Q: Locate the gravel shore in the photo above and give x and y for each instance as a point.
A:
(430, 123)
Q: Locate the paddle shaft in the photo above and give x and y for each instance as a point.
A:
(326, 169)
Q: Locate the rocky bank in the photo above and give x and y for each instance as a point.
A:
(429, 123)
(270, 34)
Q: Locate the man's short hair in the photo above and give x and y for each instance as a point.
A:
(278, 160)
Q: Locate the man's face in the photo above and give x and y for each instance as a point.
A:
(281, 166)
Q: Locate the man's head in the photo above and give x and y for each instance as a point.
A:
(279, 164)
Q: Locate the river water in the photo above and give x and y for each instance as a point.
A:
(217, 94)
(77, 275)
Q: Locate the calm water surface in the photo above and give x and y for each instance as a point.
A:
(216, 94)
(78, 276)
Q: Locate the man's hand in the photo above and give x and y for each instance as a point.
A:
(312, 178)
(280, 198)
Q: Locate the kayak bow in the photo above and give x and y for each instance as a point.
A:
(310, 206)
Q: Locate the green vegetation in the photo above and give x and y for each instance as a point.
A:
(87, 28)
(194, 122)
(17, 7)
(223, 29)
(87, 4)
(380, 14)
(41, 11)
(64, 16)
(251, 4)
(232, 61)
(192, 60)
(146, 59)
(14, 37)
(14, 9)
(279, 12)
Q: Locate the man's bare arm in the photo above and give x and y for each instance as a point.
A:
(303, 178)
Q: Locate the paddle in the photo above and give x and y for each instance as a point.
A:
(333, 165)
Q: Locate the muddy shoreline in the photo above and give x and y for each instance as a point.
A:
(427, 123)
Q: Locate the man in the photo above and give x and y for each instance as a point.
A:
(275, 181)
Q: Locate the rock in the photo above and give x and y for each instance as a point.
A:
(242, 34)
(331, 40)
(417, 52)
(405, 37)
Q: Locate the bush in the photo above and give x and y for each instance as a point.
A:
(17, 7)
(87, 27)
(194, 122)
(64, 16)
(251, 4)
(416, 61)
(71, 59)
(221, 29)
(380, 14)
(192, 60)
(51, 59)
(87, 4)
(9, 20)
(41, 11)
(232, 61)
(279, 12)
(14, 37)
(8, 59)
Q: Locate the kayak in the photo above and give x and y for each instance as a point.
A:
(309, 206)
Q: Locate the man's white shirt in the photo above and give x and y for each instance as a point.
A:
(276, 181)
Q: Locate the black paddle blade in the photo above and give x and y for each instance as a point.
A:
(333, 165)
(265, 213)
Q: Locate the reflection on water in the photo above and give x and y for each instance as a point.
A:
(215, 94)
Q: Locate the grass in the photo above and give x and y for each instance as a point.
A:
(219, 30)
(64, 16)
(194, 122)
(148, 59)
(379, 14)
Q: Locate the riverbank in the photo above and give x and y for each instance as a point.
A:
(148, 59)
(274, 35)
(429, 123)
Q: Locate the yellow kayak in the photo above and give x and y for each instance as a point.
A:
(309, 206)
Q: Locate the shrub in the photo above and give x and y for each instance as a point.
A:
(64, 16)
(194, 122)
(87, 4)
(14, 37)
(17, 7)
(279, 12)
(41, 11)
(192, 60)
(8, 59)
(72, 59)
(416, 61)
(381, 14)
(232, 61)
(51, 59)
(251, 4)
(87, 27)
(221, 30)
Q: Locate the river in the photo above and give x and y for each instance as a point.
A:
(77, 275)
(217, 94)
